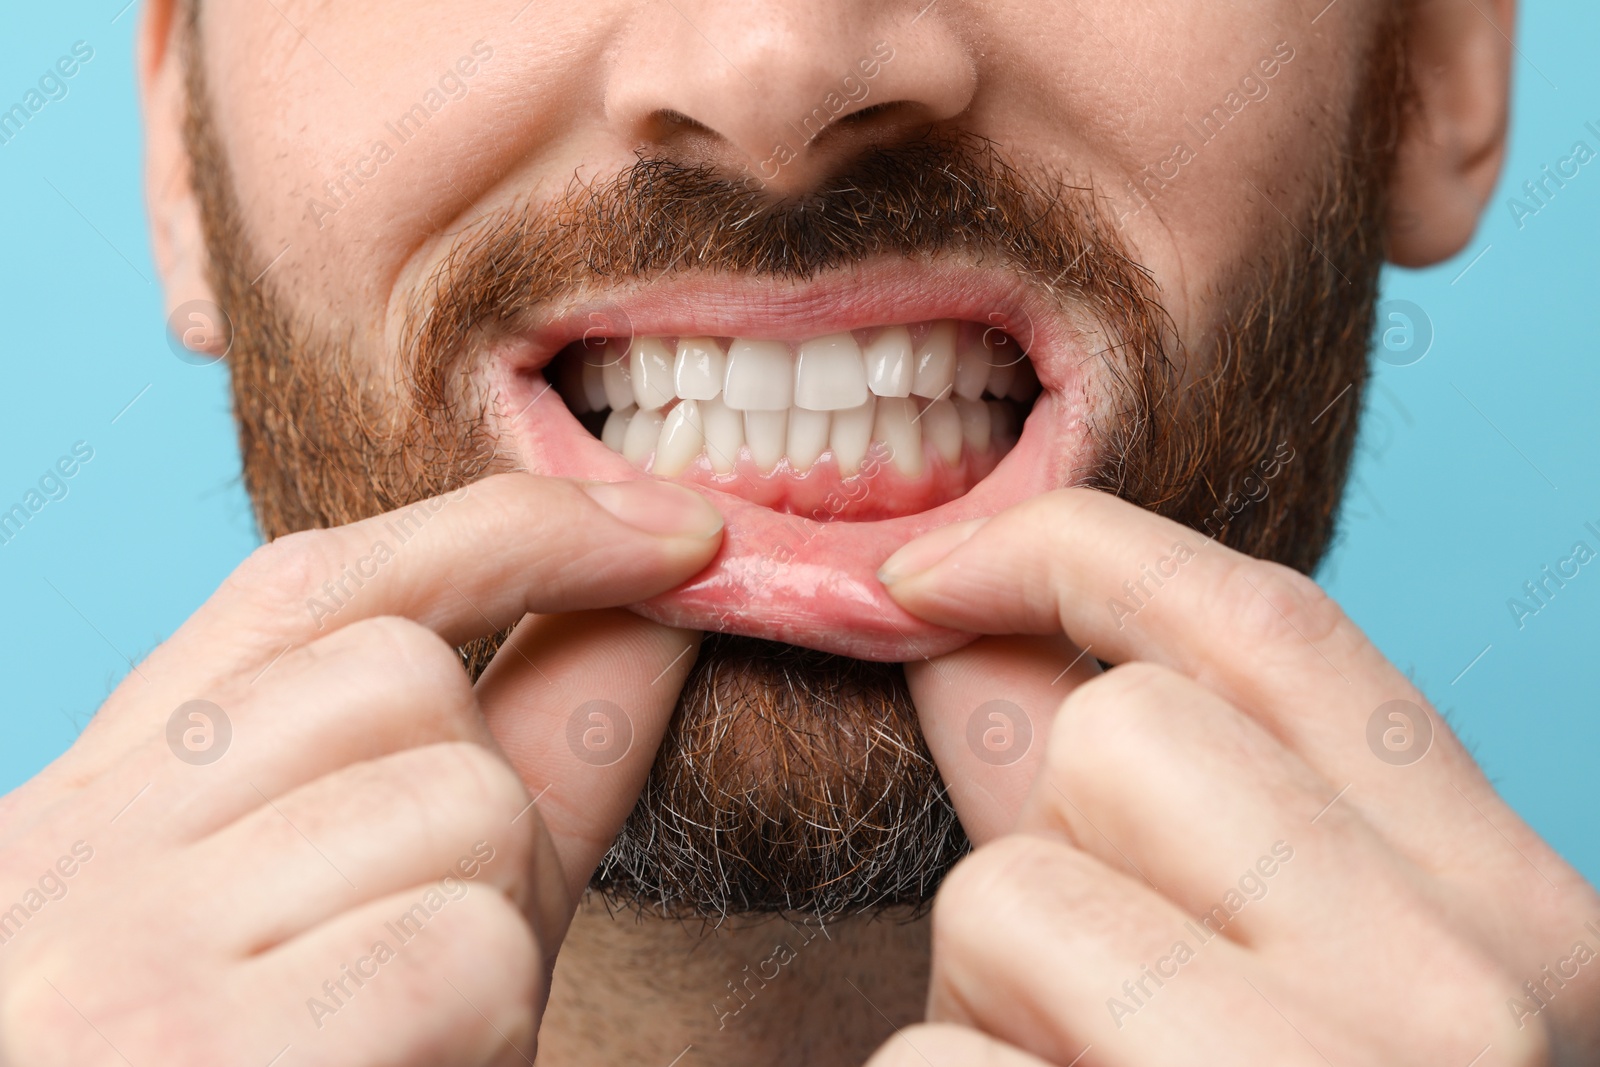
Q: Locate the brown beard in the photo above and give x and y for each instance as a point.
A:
(857, 820)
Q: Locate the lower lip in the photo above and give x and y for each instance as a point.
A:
(785, 577)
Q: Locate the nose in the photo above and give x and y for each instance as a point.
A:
(787, 93)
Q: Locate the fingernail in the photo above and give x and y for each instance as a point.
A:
(657, 507)
(927, 550)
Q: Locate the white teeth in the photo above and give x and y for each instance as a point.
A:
(828, 375)
(1002, 369)
(972, 364)
(760, 376)
(644, 430)
(941, 425)
(682, 440)
(1002, 419)
(1024, 384)
(669, 401)
(976, 424)
(700, 368)
(594, 379)
(888, 360)
(724, 430)
(808, 437)
(616, 428)
(767, 433)
(896, 426)
(615, 374)
(650, 367)
(851, 434)
(935, 362)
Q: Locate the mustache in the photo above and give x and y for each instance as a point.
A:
(940, 194)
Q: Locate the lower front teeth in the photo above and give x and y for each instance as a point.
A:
(673, 400)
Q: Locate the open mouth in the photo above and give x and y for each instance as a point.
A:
(924, 410)
(830, 421)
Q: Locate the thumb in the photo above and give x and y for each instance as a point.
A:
(986, 711)
(579, 703)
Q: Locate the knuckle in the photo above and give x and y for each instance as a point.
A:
(283, 567)
(1113, 718)
(409, 657)
(902, 1050)
(1270, 604)
(996, 886)
(470, 777)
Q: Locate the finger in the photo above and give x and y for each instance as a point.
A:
(1126, 584)
(465, 565)
(444, 813)
(1050, 951)
(1155, 775)
(985, 711)
(365, 691)
(580, 703)
(411, 980)
(938, 1044)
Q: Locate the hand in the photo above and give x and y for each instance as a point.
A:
(356, 873)
(1211, 863)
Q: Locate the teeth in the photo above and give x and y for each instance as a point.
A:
(650, 367)
(615, 374)
(767, 433)
(1002, 420)
(972, 364)
(896, 426)
(828, 374)
(976, 425)
(888, 360)
(664, 402)
(760, 376)
(644, 430)
(851, 434)
(808, 437)
(699, 368)
(594, 379)
(1002, 368)
(724, 430)
(682, 440)
(941, 425)
(935, 362)
(616, 428)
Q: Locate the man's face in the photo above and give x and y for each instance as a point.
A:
(421, 218)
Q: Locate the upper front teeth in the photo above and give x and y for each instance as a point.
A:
(675, 399)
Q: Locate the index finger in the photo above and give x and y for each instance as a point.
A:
(467, 564)
(1126, 584)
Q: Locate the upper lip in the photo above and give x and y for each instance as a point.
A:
(786, 577)
(878, 294)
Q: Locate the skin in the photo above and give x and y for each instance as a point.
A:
(1415, 902)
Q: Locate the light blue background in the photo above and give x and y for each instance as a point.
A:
(1480, 463)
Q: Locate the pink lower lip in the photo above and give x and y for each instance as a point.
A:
(789, 578)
